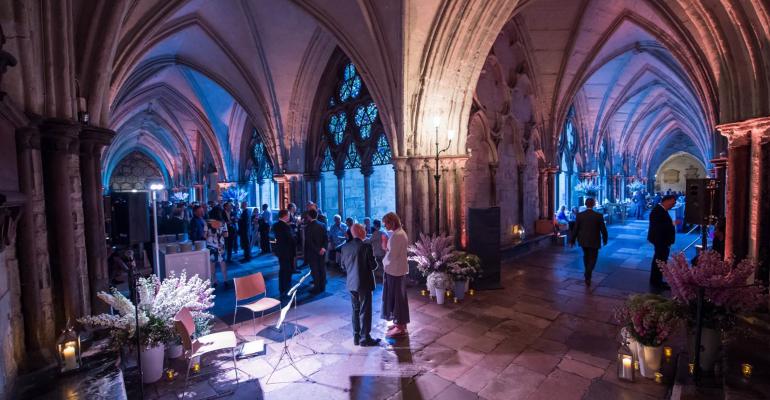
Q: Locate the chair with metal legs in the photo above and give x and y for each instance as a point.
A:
(251, 287)
(194, 348)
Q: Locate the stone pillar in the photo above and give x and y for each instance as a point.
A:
(311, 188)
(541, 192)
(737, 189)
(367, 173)
(92, 141)
(59, 143)
(340, 174)
(32, 245)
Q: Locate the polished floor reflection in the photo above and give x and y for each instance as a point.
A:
(544, 336)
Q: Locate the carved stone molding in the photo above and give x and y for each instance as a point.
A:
(93, 139)
(740, 133)
(59, 135)
(10, 210)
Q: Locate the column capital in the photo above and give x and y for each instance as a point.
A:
(312, 176)
(94, 138)
(59, 135)
(740, 133)
(28, 137)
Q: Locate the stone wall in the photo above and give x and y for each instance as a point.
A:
(503, 166)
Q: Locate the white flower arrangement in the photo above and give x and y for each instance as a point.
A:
(159, 302)
(438, 281)
(635, 186)
(180, 196)
(464, 266)
(586, 187)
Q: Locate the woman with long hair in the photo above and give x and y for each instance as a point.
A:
(395, 305)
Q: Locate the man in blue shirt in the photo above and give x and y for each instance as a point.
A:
(336, 237)
(197, 225)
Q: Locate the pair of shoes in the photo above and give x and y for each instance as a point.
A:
(369, 342)
(396, 332)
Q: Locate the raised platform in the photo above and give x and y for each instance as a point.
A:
(526, 246)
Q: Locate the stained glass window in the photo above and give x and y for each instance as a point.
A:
(382, 155)
(365, 117)
(328, 162)
(337, 124)
(352, 160)
(263, 167)
(351, 84)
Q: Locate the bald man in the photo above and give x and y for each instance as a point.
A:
(357, 259)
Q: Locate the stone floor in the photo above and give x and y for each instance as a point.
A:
(544, 336)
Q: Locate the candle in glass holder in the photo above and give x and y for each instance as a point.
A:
(691, 368)
(472, 292)
(423, 292)
(196, 368)
(668, 352)
(70, 358)
(746, 370)
(658, 377)
(448, 293)
(456, 300)
(170, 374)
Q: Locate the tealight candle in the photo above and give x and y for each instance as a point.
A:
(472, 292)
(456, 300)
(196, 368)
(658, 377)
(636, 365)
(746, 370)
(448, 293)
(423, 292)
(691, 368)
(170, 374)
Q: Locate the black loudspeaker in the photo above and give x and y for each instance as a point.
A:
(703, 197)
(130, 218)
(484, 241)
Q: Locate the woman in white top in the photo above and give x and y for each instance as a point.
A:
(395, 305)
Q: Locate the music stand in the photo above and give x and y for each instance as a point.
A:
(293, 292)
(285, 352)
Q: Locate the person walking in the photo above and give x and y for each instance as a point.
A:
(357, 260)
(395, 305)
(285, 250)
(316, 240)
(244, 230)
(662, 235)
(590, 232)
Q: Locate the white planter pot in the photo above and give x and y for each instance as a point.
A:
(460, 289)
(710, 343)
(152, 363)
(649, 360)
(440, 296)
(174, 350)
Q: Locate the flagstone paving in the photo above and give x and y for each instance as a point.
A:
(543, 336)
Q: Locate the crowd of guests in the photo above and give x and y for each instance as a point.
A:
(357, 249)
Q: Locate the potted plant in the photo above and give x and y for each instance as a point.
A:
(438, 282)
(587, 188)
(635, 186)
(234, 195)
(725, 294)
(431, 254)
(180, 197)
(463, 268)
(158, 304)
(649, 319)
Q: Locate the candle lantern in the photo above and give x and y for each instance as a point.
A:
(518, 232)
(658, 377)
(668, 352)
(746, 370)
(68, 350)
(626, 363)
(423, 292)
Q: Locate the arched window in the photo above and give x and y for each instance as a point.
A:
(567, 168)
(355, 151)
(262, 174)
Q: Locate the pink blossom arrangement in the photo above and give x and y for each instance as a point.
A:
(431, 253)
(649, 318)
(726, 291)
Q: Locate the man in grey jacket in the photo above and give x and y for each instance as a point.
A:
(590, 232)
(358, 261)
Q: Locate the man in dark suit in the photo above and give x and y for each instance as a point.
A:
(590, 232)
(285, 249)
(357, 258)
(316, 240)
(662, 235)
(244, 230)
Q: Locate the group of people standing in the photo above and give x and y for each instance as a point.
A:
(359, 250)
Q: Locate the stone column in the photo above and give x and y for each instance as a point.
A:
(737, 189)
(541, 190)
(92, 141)
(59, 142)
(367, 173)
(340, 174)
(32, 245)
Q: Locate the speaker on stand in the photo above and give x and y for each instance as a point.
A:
(484, 241)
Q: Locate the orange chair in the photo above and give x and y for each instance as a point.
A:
(250, 287)
(193, 348)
